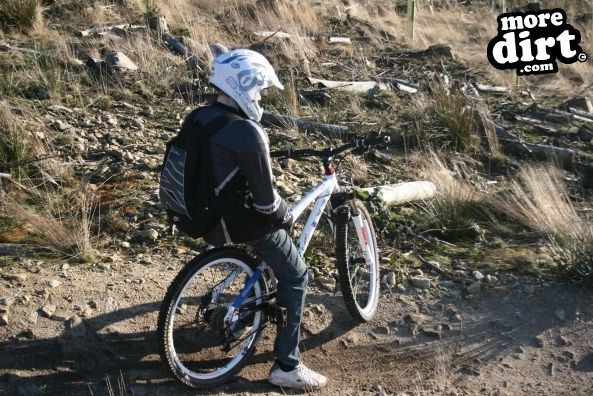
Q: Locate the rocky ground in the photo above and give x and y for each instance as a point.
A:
(70, 327)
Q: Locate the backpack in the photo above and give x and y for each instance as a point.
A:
(186, 187)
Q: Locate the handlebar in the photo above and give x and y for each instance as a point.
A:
(357, 143)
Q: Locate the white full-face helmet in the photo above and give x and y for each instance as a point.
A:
(242, 74)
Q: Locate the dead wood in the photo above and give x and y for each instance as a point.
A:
(282, 121)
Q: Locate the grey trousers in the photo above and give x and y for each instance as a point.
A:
(279, 252)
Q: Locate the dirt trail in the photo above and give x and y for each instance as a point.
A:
(524, 336)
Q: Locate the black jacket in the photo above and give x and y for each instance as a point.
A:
(248, 204)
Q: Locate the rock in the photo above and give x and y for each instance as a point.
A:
(562, 341)
(15, 278)
(125, 245)
(388, 279)
(539, 341)
(149, 235)
(6, 301)
(415, 318)
(158, 24)
(147, 112)
(110, 305)
(105, 266)
(32, 317)
(474, 287)
(584, 134)
(53, 283)
(432, 333)
(60, 126)
(401, 288)
(417, 272)
(75, 326)
(44, 293)
(491, 279)
(65, 266)
(118, 61)
(111, 120)
(477, 275)
(381, 330)
(311, 276)
(579, 103)
(421, 283)
(48, 310)
(4, 319)
(328, 283)
(560, 314)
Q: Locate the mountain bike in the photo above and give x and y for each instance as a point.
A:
(216, 308)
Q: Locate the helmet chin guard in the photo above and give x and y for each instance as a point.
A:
(242, 74)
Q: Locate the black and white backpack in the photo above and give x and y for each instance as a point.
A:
(187, 186)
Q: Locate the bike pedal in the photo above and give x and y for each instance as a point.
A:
(277, 315)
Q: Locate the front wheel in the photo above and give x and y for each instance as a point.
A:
(357, 260)
(199, 343)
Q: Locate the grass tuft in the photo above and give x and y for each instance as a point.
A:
(19, 14)
(539, 200)
(457, 205)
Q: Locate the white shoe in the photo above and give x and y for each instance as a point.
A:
(299, 378)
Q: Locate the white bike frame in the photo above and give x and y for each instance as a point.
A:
(320, 194)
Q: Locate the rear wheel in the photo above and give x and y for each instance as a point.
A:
(357, 260)
(201, 347)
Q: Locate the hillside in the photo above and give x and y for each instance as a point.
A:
(486, 286)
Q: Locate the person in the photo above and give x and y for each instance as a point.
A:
(250, 209)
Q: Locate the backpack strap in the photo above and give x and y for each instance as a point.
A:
(210, 128)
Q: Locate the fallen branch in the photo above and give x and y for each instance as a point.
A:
(115, 30)
(277, 34)
(8, 47)
(340, 40)
(351, 86)
(402, 85)
(491, 89)
(330, 130)
(403, 193)
(431, 267)
(581, 115)
(512, 144)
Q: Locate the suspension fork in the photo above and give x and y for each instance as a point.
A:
(346, 209)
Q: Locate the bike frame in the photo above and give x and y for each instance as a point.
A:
(320, 194)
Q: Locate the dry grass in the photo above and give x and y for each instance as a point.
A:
(457, 204)
(21, 144)
(448, 119)
(469, 32)
(60, 220)
(539, 200)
